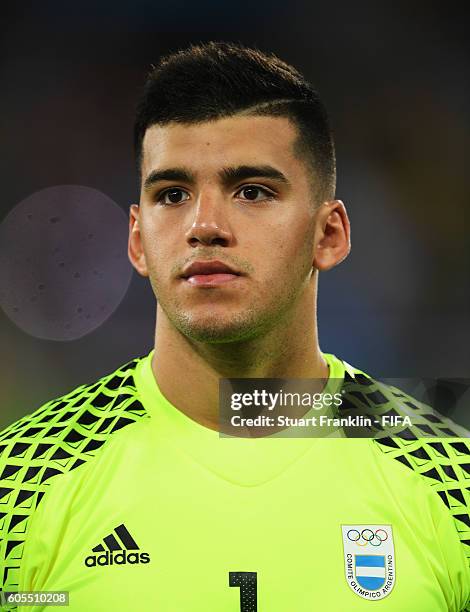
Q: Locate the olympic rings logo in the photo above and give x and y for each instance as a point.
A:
(367, 536)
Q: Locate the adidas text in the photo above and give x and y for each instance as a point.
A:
(118, 558)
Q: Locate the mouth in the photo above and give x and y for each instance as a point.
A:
(209, 273)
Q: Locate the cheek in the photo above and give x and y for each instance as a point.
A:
(287, 244)
(157, 246)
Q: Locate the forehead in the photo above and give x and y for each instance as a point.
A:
(223, 142)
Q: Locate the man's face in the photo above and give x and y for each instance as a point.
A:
(232, 193)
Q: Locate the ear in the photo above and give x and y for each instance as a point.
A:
(332, 236)
(135, 248)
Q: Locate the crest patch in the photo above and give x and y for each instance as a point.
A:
(369, 559)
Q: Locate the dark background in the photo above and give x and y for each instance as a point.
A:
(394, 76)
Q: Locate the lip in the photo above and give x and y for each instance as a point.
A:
(211, 280)
(214, 266)
(209, 273)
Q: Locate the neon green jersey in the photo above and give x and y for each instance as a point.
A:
(115, 496)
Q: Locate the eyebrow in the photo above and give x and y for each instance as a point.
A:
(239, 173)
(168, 174)
(228, 175)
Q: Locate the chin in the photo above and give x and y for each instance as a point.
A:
(215, 330)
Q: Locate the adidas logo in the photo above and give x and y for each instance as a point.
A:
(116, 550)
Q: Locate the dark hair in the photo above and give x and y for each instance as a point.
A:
(219, 79)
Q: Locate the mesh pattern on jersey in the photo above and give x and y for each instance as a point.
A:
(59, 437)
(445, 465)
(431, 447)
(370, 398)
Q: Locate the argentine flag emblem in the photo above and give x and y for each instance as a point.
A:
(369, 559)
(370, 571)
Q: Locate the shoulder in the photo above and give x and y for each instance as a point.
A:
(60, 436)
(430, 445)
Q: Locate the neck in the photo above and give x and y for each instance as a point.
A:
(290, 350)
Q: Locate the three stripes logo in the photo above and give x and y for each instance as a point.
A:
(119, 548)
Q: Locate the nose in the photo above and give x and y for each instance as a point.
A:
(210, 225)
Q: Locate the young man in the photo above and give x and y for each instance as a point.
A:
(123, 493)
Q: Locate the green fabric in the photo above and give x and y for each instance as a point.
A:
(115, 465)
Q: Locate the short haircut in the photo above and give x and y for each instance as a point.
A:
(219, 79)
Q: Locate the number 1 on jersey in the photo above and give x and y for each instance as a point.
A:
(247, 582)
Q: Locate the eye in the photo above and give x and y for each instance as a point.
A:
(172, 196)
(254, 193)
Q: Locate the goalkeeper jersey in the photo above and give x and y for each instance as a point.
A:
(113, 495)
